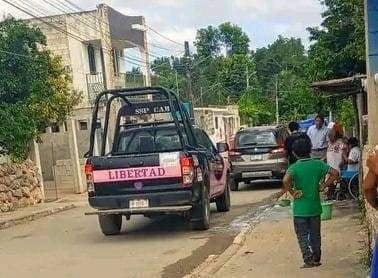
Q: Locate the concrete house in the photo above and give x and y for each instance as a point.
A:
(91, 44)
(220, 122)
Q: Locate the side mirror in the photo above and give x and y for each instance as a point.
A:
(222, 147)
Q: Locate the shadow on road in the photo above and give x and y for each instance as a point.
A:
(260, 185)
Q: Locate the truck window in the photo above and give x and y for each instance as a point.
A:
(163, 140)
(204, 140)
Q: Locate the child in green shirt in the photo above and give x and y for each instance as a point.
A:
(303, 181)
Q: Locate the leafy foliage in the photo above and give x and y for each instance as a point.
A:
(282, 64)
(225, 71)
(34, 87)
(339, 43)
(338, 49)
(254, 109)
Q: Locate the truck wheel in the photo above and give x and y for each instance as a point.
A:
(204, 210)
(234, 185)
(110, 224)
(224, 202)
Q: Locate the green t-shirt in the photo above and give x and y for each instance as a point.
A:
(307, 175)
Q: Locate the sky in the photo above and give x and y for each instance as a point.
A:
(262, 20)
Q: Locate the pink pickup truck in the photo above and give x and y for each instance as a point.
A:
(155, 167)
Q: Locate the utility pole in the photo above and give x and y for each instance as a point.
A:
(277, 104)
(188, 70)
(177, 86)
(247, 76)
(201, 93)
(371, 27)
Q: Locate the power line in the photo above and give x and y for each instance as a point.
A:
(163, 36)
(17, 54)
(98, 19)
(152, 54)
(78, 38)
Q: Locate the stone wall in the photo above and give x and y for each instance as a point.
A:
(371, 216)
(19, 186)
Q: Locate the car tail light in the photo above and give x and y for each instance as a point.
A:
(277, 153)
(187, 170)
(88, 169)
(235, 156)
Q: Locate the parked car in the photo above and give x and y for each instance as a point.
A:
(258, 153)
(155, 166)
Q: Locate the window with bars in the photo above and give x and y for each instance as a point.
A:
(91, 59)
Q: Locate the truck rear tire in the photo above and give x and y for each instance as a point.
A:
(234, 185)
(224, 202)
(110, 224)
(204, 222)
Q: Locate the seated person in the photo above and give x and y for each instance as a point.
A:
(352, 160)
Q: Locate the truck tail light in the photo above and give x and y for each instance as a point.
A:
(187, 170)
(88, 169)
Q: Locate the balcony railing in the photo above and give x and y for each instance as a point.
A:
(95, 85)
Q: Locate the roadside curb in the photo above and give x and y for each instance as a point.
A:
(4, 224)
(215, 262)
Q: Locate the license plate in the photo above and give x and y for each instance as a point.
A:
(262, 174)
(140, 203)
(256, 157)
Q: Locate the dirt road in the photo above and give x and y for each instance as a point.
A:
(71, 245)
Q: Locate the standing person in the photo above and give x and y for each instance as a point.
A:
(303, 181)
(335, 147)
(318, 135)
(335, 153)
(294, 134)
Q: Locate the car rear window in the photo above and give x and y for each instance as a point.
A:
(163, 140)
(256, 138)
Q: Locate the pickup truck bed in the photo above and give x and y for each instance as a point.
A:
(154, 167)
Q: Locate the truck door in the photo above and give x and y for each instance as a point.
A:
(216, 164)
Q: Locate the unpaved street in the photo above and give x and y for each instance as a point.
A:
(71, 245)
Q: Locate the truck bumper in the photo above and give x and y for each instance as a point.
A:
(158, 202)
(245, 172)
(169, 209)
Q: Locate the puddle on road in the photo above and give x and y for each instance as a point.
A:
(220, 236)
(215, 245)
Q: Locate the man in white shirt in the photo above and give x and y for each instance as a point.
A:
(318, 134)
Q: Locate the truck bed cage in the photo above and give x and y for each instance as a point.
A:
(179, 114)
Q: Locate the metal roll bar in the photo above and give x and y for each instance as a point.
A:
(128, 92)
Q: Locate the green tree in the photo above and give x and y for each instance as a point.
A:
(169, 72)
(254, 109)
(234, 39)
(283, 64)
(211, 40)
(34, 87)
(284, 54)
(338, 48)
